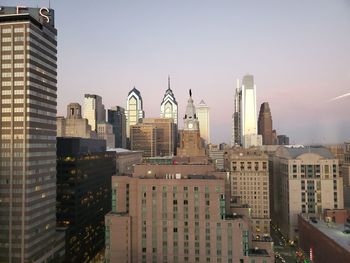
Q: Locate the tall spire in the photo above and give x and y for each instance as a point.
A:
(168, 81)
(190, 93)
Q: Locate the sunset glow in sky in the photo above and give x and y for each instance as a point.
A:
(298, 52)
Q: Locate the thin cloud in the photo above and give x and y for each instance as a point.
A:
(340, 97)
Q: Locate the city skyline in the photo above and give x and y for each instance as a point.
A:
(299, 64)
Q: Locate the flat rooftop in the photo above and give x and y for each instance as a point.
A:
(333, 231)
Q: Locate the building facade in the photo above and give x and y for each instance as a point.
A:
(190, 141)
(265, 124)
(84, 172)
(116, 117)
(94, 110)
(143, 137)
(346, 175)
(168, 106)
(134, 110)
(305, 180)
(74, 125)
(249, 182)
(105, 132)
(283, 140)
(202, 111)
(245, 115)
(28, 91)
(165, 213)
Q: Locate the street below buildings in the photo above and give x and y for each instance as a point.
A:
(284, 252)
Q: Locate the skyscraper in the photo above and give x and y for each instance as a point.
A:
(202, 111)
(168, 107)
(94, 110)
(190, 141)
(28, 104)
(265, 124)
(134, 109)
(245, 114)
(116, 117)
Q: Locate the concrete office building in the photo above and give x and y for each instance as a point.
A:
(217, 156)
(265, 124)
(166, 135)
(134, 110)
(324, 240)
(84, 172)
(28, 104)
(116, 117)
(125, 160)
(202, 111)
(190, 141)
(74, 125)
(143, 137)
(177, 213)
(94, 110)
(305, 180)
(249, 180)
(168, 106)
(105, 132)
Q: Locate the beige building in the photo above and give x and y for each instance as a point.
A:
(126, 160)
(105, 132)
(74, 125)
(217, 156)
(166, 135)
(177, 213)
(202, 111)
(249, 178)
(143, 137)
(305, 180)
(346, 175)
(94, 110)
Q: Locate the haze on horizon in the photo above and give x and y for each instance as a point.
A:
(298, 52)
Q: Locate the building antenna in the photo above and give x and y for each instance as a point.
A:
(168, 81)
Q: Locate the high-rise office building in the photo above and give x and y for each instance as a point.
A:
(134, 110)
(105, 132)
(245, 114)
(190, 140)
(304, 180)
(249, 179)
(28, 90)
(346, 175)
(143, 137)
(74, 125)
(202, 111)
(178, 213)
(265, 124)
(116, 117)
(94, 110)
(84, 171)
(166, 135)
(168, 107)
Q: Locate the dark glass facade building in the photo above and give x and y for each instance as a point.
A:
(84, 171)
(117, 117)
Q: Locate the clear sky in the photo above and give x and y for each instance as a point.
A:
(298, 52)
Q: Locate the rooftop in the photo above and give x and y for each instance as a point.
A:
(332, 230)
(257, 252)
(295, 152)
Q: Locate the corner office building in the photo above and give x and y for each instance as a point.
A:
(28, 85)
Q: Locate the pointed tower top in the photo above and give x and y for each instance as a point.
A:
(190, 93)
(168, 81)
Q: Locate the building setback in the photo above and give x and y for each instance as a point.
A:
(74, 125)
(28, 104)
(84, 171)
